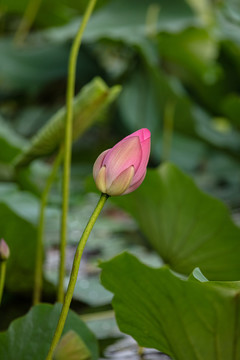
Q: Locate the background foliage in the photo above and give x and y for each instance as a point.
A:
(178, 65)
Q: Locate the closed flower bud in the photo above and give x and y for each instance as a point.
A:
(4, 250)
(121, 169)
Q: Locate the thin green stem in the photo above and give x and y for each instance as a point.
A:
(68, 144)
(27, 20)
(140, 352)
(168, 123)
(74, 274)
(152, 16)
(37, 291)
(2, 277)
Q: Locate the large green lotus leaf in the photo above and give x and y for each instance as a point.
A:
(187, 227)
(18, 218)
(30, 337)
(187, 320)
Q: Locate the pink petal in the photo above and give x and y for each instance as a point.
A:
(135, 185)
(124, 154)
(143, 134)
(101, 180)
(146, 146)
(121, 183)
(98, 163)
(4, 250)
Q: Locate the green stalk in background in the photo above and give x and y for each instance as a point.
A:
(74, 274)
(4, 255)
(27, 21)
(68, 145)
(38, 278)
(2, 278)
(168, 123)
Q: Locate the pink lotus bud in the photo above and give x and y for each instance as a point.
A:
(4, 250)
(121, 169)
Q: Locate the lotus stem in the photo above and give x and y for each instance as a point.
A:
(74, 274)
(2, 277)
(68, 144)
(38, 278)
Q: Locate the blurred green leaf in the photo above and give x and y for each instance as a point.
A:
(33, 177)
(231, 108)
(131, 21)
(10, 142)
(221, 177)
(187, 152)
(187, 227)
(30, 336)
(231, 63)
(228, 19)
(35, 66)
(13, 6)
(120, 20)
(217, 131)
(88, 288)
(184, 319)
(143, 101)
(38, 64)
(18, 216)
(34, 116)
(195, 50)
(102, 324)
(50, 13)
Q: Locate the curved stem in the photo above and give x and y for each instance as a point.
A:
(74, 274)
(2, 277)
(39, 256)
(68, 144)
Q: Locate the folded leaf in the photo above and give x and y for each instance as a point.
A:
(88, 106)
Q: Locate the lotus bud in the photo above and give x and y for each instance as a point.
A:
(71, 347)
(121, 169)
(4, 250)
